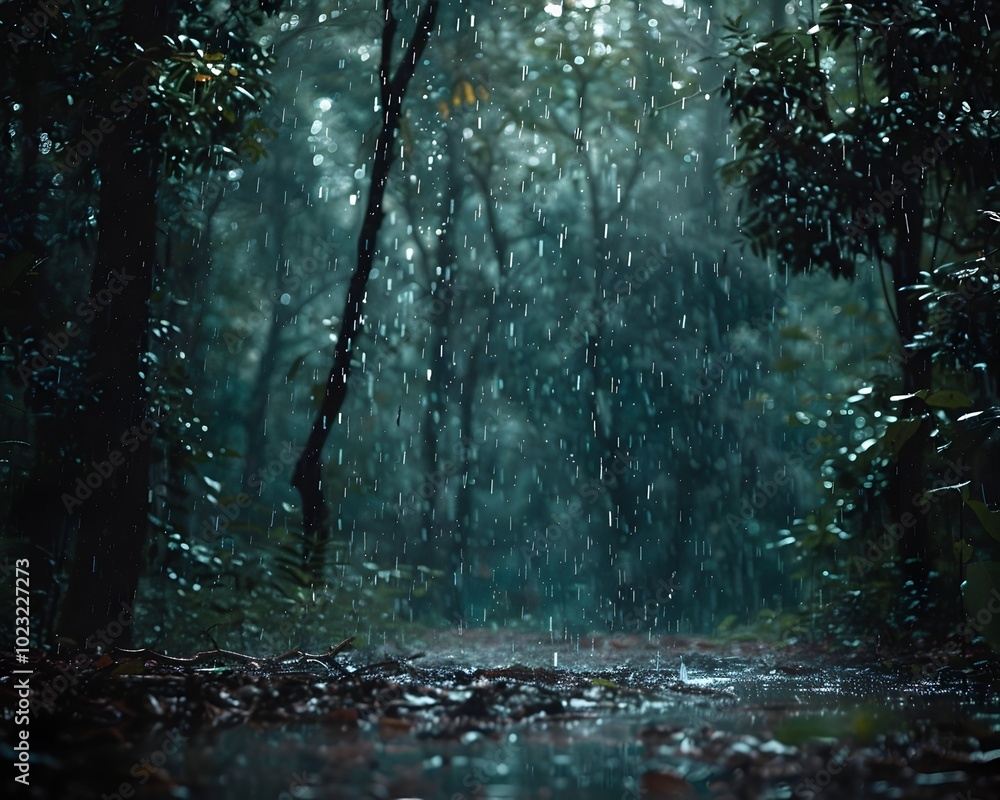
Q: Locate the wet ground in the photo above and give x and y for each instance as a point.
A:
(484, 715)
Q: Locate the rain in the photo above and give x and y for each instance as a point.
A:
(410, 398)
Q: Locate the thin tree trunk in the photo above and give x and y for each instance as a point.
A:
(435, 533)
(908, 480)
(255, 415)
(308, 477)
(908, 221)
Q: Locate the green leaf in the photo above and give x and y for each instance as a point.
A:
(948, 398)
(302, 577)
(964, 551)
(796, 332)
(317, 395)
(898, 398)
(990, 520)
(15, 266)
(786, 364)
(897, 434)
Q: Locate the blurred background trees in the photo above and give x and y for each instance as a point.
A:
(581, 403)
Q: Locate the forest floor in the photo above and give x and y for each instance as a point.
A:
(487, 714)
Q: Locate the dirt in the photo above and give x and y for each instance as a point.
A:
(489, 715)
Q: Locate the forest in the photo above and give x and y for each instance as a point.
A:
(437, 370)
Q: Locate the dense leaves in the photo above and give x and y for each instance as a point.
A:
(869, 143)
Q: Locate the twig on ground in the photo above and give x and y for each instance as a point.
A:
(294, 656)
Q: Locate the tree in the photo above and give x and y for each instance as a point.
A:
(394, 83)
(137, 93)
(866, 141)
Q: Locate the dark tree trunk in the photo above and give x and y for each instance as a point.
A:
(308, 478)
(436, 533)
(908, 480)
(435, 530)
(33, 516)
(907, 220)
(113, 519)
(444, 366)
(464, 507)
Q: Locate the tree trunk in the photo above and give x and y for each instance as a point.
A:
(308, 477)
(255, 415)
(33, 517)
(908, 480)
(435, 532)
(116, 442)
(907, 220)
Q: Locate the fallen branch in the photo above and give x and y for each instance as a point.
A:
(292, 657)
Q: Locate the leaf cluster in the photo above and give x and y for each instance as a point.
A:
(841, 125)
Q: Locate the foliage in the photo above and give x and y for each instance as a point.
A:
(871, 103)
(858, 138)
(556, 294)
(844, 540)
(76, 78)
